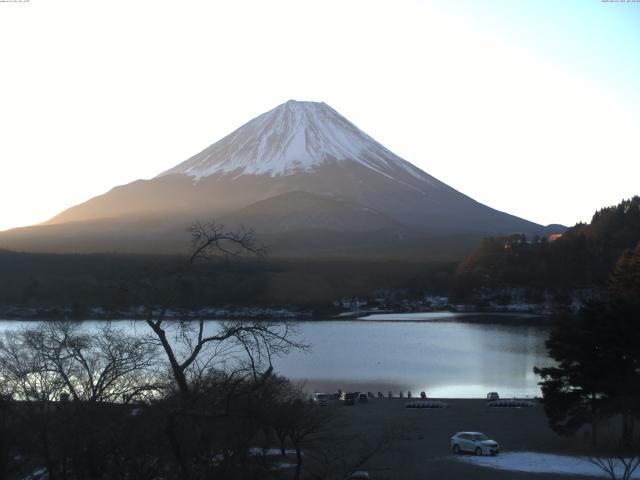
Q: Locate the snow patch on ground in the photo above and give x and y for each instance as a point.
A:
(257, 451)
(532, 462)
(410, 316)
(39, 474)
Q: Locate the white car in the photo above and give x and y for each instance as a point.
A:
(321, 398)
(474, 442)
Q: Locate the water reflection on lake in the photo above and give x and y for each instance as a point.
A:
(445, 355)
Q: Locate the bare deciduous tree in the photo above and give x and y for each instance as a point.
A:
(307, 420)
(338, 454)
(104, 366)
(45, 365)
(619, 467)
(194, 349)
(240, 344)
(38, 388)
(211, 239)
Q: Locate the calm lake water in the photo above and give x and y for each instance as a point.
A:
(443, 354)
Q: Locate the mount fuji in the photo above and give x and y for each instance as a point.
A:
(308, 180)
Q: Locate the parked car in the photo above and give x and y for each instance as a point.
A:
(321, 398)
(349, 398)
(474, 442)
(363, 398)
(493, 396)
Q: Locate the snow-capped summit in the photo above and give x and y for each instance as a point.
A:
(293, 137)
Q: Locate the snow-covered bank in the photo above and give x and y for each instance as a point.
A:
(443, 316)
(532, 462)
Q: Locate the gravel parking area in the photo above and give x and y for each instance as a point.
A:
(418, 446)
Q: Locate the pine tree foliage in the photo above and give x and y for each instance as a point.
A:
(598, 359)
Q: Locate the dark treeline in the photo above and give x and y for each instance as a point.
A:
(582, 257)
(83, 281)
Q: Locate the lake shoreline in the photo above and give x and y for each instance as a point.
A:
(19, 313)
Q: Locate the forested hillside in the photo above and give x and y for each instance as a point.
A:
(583, 257)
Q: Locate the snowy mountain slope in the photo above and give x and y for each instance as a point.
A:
(294, 137)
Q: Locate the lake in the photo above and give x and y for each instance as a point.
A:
(446, 355)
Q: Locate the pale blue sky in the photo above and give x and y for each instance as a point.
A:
(596, 40)
(531, 107)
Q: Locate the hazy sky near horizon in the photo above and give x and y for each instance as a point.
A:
(531, 107)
